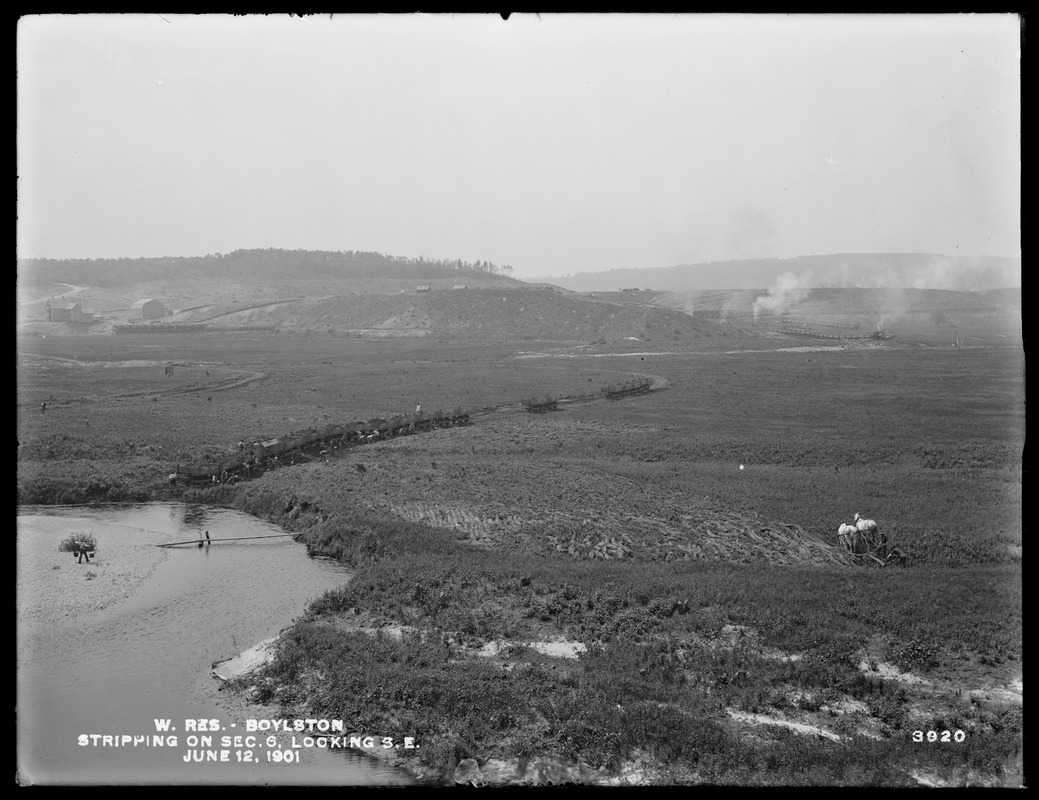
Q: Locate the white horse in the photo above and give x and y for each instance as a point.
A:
(846, 530)
(869, 530)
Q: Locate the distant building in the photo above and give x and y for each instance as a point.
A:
(459, 286)
(59, 312)
(147, 309)
(67, 311)
(421, 289)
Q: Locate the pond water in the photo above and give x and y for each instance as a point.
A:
(146, 655)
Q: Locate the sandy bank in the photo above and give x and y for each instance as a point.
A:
(247, 661)
(53, 589)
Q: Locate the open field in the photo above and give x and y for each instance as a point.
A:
(726, 639)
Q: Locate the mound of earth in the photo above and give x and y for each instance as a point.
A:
(497, 313)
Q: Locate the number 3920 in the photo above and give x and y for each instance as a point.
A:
(939, 736)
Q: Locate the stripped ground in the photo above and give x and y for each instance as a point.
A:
(467, 480)
(707, 534)
(550, 500)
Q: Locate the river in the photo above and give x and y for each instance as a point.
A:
(123, 661)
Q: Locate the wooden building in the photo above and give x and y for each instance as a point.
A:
(147, 309)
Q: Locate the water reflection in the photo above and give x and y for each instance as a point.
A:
(195, 515)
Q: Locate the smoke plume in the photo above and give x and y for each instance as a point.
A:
(787, 291)
(960, 274)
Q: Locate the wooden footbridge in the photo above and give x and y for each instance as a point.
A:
(201, 541)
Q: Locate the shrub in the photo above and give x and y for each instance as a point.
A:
(76, 541)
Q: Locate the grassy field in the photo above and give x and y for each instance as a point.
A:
(725, 638)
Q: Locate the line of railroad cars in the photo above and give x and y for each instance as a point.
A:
(257, 457)
(629, 389)
(535, 406)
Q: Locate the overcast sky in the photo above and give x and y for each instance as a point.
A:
(557, 144)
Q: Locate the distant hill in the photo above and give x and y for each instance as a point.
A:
(266, 266)
(372, 295)
(839, 270)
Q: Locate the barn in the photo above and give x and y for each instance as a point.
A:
(147, 309)
(422, 289)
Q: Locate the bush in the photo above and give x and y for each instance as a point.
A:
(76, 542)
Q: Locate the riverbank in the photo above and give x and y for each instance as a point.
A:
(237, 694)
(53, 589)
(243, 680)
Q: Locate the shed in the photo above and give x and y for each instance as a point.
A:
(459, 286)
(421, 289)
(147, 309)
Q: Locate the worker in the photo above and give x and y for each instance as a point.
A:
(43, 407)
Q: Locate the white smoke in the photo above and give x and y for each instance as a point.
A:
(893, 306)
(930, 272)
(787, 291)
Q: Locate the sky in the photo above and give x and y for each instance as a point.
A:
(556, 144)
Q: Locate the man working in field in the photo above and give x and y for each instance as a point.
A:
(83, 549)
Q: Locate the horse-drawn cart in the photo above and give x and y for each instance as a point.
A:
(871, 548)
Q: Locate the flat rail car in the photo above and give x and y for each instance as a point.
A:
(618, 391)
(541, 406)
